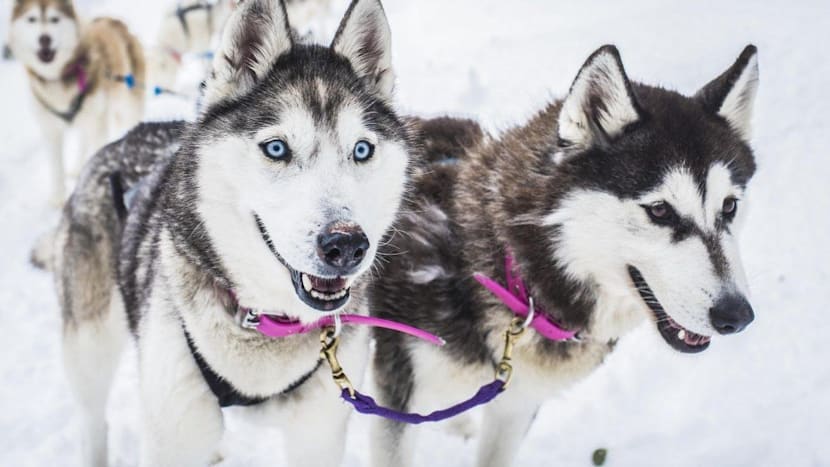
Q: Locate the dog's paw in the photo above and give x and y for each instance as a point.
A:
(217, 458)
(43, 250)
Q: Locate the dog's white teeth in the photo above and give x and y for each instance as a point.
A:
(306, 282)
(681, 334)
(328, 297)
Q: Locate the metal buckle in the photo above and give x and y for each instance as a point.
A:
(329, 341)
(250, 319)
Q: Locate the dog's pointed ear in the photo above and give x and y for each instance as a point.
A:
(600, 103)
(255, 35)
(365, 39)
(732, 94)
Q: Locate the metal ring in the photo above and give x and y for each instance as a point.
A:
(531, 313)
(338, 325)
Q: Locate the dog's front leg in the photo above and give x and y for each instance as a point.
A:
(181, 418)
(316, 433)
(506, 421)
(54, 131)
(93, 138)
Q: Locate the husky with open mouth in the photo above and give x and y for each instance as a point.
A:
(273, 202)
(615, 205)
(75, 72)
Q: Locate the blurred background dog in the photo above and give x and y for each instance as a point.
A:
(79, 75)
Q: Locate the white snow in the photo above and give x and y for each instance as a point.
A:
(759, 398)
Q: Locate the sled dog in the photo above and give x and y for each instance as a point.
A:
(614, 205)
(273, 202)
(76, 73)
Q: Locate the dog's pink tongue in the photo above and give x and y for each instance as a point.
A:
(695, 339)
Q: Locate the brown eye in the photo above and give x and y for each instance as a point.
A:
(54, 20)
(661, 213)
(659, 210)
(730, 205)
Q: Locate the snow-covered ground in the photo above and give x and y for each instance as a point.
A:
(759, 398)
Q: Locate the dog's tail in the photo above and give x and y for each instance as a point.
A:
(43, 253)
(445, 140)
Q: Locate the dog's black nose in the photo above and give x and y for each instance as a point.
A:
(731, 313)
(342, 245)
(45, 41)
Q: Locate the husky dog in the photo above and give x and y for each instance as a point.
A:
(192, 26)
(75, 74)
(276, 201)
(188, 28)
(619, 204)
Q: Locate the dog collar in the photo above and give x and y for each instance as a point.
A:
(282, 326)
(77, 71)
(274, 326)
(516, 298)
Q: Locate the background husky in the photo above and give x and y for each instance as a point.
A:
(276, 201)
(191, 28)
(619, 203)
(71, 68)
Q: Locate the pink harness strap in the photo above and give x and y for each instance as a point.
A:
(274, 327)
(515, 297)
(80, 77)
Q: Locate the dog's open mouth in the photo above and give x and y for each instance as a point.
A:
(46, 55)
(675, 335)
(320, 293)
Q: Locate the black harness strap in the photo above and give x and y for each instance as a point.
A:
(225, 393)
(74, 107)
(181, 14)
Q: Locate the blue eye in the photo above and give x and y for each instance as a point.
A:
(276, 149)
(363, 151)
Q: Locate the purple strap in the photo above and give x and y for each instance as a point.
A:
(276, 328)
(366, 405)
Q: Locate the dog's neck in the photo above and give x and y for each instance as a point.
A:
(73, 81)
(505, 193)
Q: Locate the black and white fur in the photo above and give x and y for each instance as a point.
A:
(617, 203)
(182, 213)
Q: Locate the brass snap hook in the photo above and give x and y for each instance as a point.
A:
(504, 369)
(329, 341)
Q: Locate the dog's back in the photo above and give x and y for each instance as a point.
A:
(87, 239)
(111, 54)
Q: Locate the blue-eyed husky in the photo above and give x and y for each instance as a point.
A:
(274, 201)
